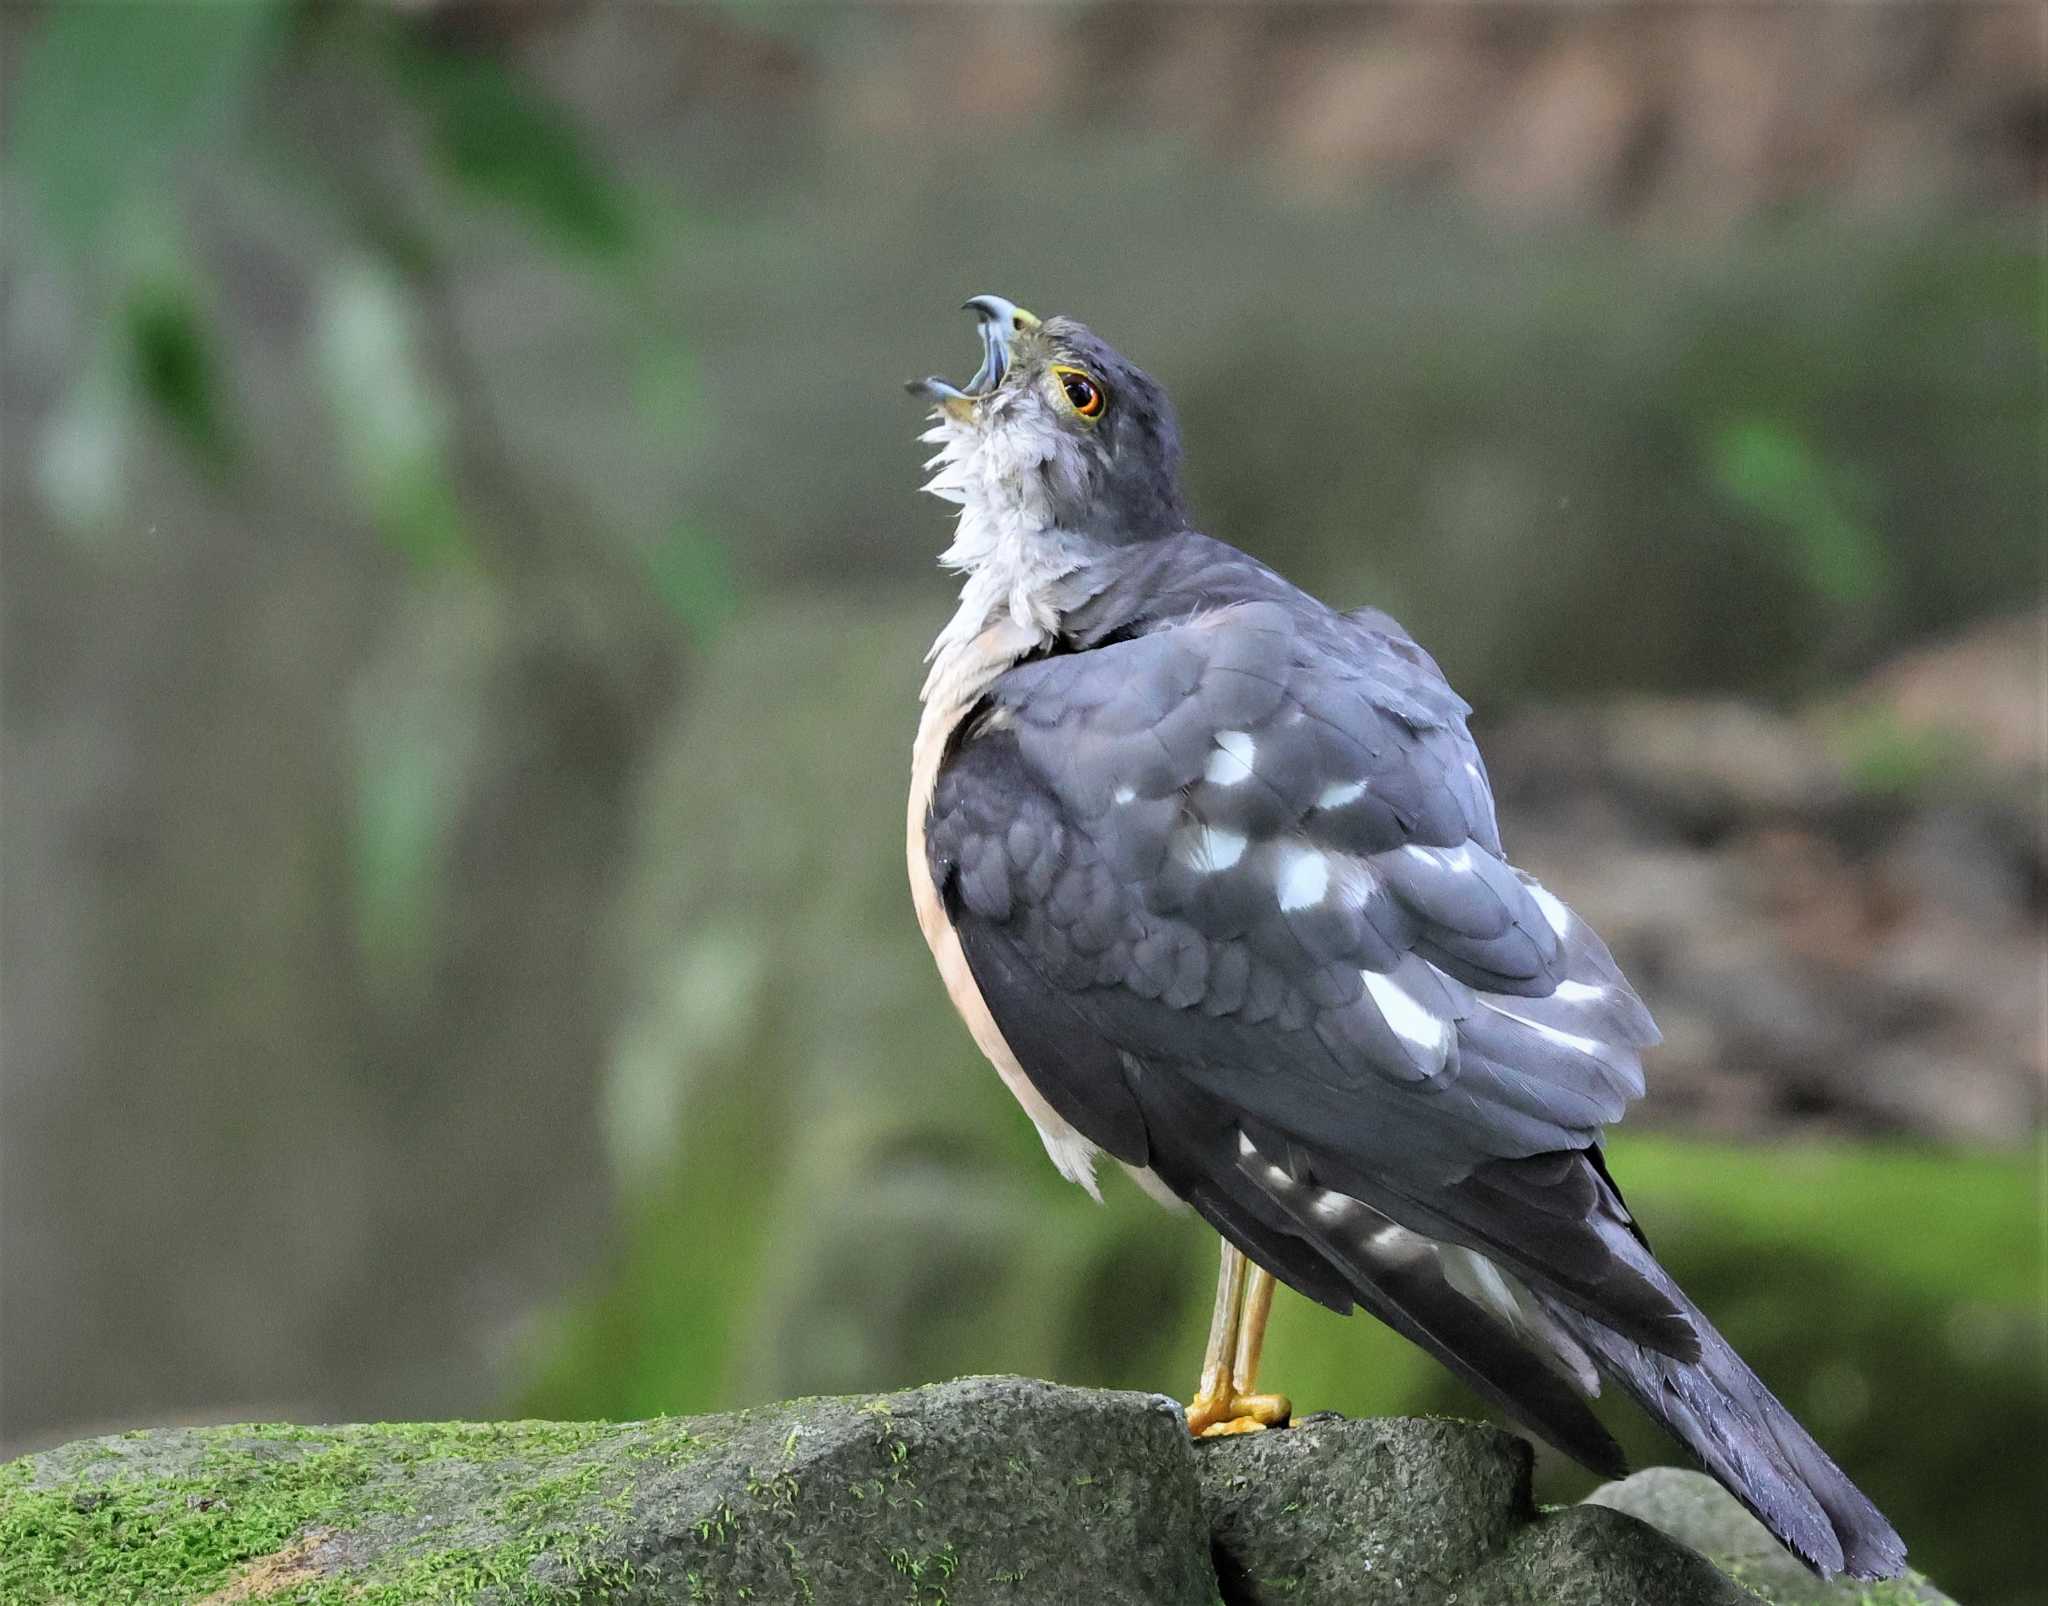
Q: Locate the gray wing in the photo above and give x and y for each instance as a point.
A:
(1229, 881)
(1233, 891)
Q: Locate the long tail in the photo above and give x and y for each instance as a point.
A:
(1530, 1345)
(1720, 1410)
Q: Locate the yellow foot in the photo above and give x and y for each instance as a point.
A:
(1219, 1410)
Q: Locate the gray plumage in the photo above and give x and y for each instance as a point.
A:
(1224, 866)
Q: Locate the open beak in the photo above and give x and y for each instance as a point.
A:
(1000, 322)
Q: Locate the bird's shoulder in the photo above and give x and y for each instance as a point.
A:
(1192, 673)
(1246, 784)
(1194, 578)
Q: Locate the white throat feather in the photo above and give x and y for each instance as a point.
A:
(1007, 541)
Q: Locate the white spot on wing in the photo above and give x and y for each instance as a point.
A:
(1207, 849)
(1556, 913)
(1356, 882)
(1231, 763)
(1405, 1017)
(1337, 795)
(1578, 992)
(1389, 1239)
(1331, 1209)
(1304, 876)
(1253, 1161)
(1124, 794)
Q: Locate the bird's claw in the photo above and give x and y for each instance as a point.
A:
(1219, 1411)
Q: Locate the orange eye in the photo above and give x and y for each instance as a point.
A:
(1083, 394)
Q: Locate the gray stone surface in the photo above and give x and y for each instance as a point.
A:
(985, 1489)
(1391, 1509)
(1695, 1510)
(1586, 1556)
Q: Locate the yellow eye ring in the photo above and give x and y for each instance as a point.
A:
(1082, 389)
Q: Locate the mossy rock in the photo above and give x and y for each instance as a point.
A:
(986, 1489)
(993, 1490)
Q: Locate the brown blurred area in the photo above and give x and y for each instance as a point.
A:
(464, 590)
(1690, 118)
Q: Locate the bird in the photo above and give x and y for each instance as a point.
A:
(1212, 873)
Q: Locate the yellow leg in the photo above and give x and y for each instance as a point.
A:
(1215, 1390)
(1225, 1402)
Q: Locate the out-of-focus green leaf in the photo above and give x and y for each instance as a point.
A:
(108, 95)
(417, 731)
(81, 458)
(399, 822)
(718, 980)
(692, 575)
(1769, 469)
(170, 355)
(502, 141)
(392, 424)
(666, 391)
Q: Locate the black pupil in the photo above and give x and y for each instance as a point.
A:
(1080, 392)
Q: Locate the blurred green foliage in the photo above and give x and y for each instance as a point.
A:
(174, 366)
(112, 97)
(391, 418)
(498, 141)
(1809, 512)
(108, 102)
(116, 103)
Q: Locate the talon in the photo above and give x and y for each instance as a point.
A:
(1219, 1412)
(1223, 1412)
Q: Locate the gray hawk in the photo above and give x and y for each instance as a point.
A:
(1211, 871)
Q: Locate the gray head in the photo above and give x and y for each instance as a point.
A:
(1059, 426)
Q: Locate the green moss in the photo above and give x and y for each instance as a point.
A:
(221, 1500)
(1911, 1590)
(926, 1575)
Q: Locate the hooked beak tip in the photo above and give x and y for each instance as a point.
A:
(1001, 320)
(1000, 310)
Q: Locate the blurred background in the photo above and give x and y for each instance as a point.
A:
(464, 593)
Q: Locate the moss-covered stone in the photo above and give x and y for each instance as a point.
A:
(379, 1515)
(981, 1490)
(992, 1490)
(1695, 1510)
